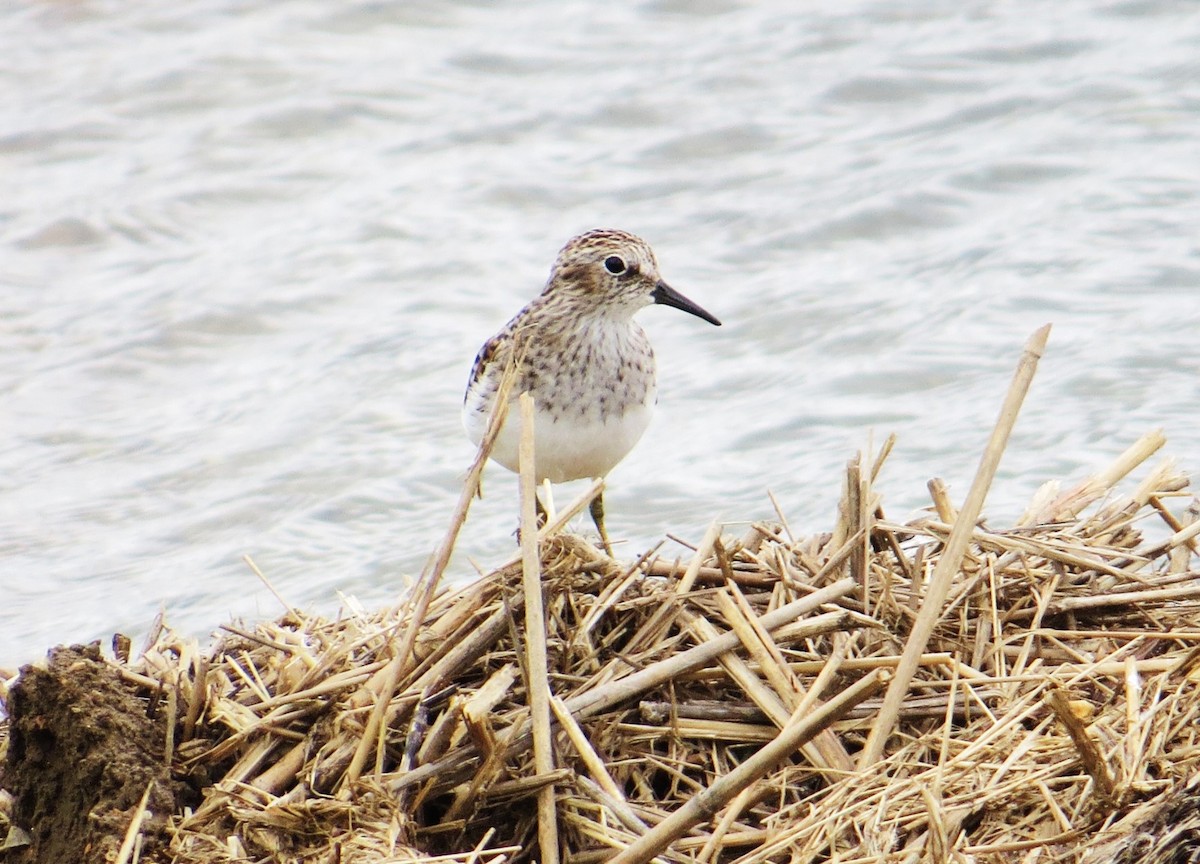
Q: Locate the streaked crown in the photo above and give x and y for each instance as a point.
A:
(606, 265)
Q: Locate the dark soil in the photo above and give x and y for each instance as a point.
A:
(84, 744)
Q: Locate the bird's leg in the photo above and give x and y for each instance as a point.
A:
(542, 516)
(597, 510)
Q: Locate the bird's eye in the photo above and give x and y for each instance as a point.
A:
(614, 265)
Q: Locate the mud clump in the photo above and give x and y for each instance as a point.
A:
(83, 748)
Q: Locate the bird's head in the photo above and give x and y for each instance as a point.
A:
(616, 273)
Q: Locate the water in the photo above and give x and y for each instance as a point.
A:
(248, 249)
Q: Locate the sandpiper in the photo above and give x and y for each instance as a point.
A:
(588, 365)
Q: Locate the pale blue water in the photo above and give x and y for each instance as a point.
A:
(248, 250)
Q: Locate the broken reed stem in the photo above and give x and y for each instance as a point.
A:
(702, 552)
(884, 451)
(1071, 503)
(1089, 754)
(1183, 535)
(135, 827)
(273, 780)
(425, 589)
(262, 577)
(1135, 454)
(596, 768)
(708, 803)
(956, 547)
(537, 674)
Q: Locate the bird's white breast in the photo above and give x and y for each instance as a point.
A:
(567, 445)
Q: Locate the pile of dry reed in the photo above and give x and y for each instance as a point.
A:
(929, 691)
(724, 708)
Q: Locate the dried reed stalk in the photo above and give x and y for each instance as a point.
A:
(427, 586)
(956, 546)
(536, 670)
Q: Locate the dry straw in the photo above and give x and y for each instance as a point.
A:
(729, 707)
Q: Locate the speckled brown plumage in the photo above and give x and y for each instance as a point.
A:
(577, 350)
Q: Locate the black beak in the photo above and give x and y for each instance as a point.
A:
(665, 295)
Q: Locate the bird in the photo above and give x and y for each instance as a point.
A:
(576, 349)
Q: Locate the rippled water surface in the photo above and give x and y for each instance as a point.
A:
(248, 249)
